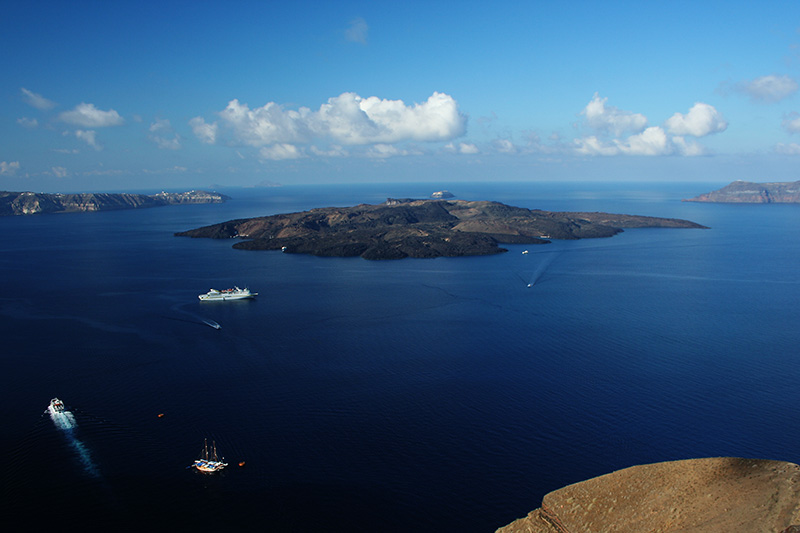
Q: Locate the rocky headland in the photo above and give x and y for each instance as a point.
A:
(746, 192)
(406, 227)
(31, 203)
(719, 494)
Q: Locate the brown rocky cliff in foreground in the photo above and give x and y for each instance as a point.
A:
(746, 192)
(713, 495)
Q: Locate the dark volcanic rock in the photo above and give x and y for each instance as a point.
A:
(30, 203)
(746, 192)
(419, 228)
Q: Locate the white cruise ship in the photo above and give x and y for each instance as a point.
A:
(227, 294)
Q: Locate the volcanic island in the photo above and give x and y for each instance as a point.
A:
(400, 228)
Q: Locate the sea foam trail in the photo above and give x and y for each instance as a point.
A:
(65, 421)
(548, 258)
(196, 318)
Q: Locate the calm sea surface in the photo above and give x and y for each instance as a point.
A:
(413, 395)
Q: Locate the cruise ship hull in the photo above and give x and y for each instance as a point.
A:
(236, 293)
(220, 297)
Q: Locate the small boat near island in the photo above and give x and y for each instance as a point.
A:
(209, 462)
(235, 293)
(56, 406)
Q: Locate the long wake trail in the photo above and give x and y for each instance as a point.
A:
(197, 319)
(65, 421)
(548, 259)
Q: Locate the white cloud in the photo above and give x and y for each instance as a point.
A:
(264, 125)
(8, 168)
(167, 143)
(104, 172)
(59, 172)
(788, 149)
(36, 100)
(161, 124)
(357, 31)
(88, 116)
(687, 148)
(165, 139)
(177, 169)
(277, 152)
(593, 146)
(770, 88)
(207, 133)
(345, 119)
(534, 144)
(462, 148)
(332, 151)
(28, 123)
(791, 122)
(652, 141)
(382, 151)
(89, 137)
(701, 120)
(357, 120)
(609, 118)
(504, 146)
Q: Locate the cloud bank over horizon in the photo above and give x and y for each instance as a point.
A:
(701, 120)
(350, 92)
(347, 119)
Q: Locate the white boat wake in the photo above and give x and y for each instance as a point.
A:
(196, 319)
(65, 421)
(548, 257)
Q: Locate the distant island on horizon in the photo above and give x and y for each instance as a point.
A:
(407, 227)
(32, 203)
(748, 192)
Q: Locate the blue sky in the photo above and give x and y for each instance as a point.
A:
(131, 96)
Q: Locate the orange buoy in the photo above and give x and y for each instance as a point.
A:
(241, 464)
(160, 415)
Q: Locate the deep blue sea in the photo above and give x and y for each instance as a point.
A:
(414, 395)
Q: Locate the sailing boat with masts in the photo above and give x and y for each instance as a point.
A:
(209, 462)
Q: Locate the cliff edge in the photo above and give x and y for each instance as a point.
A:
(720, 494)
(32, 203)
